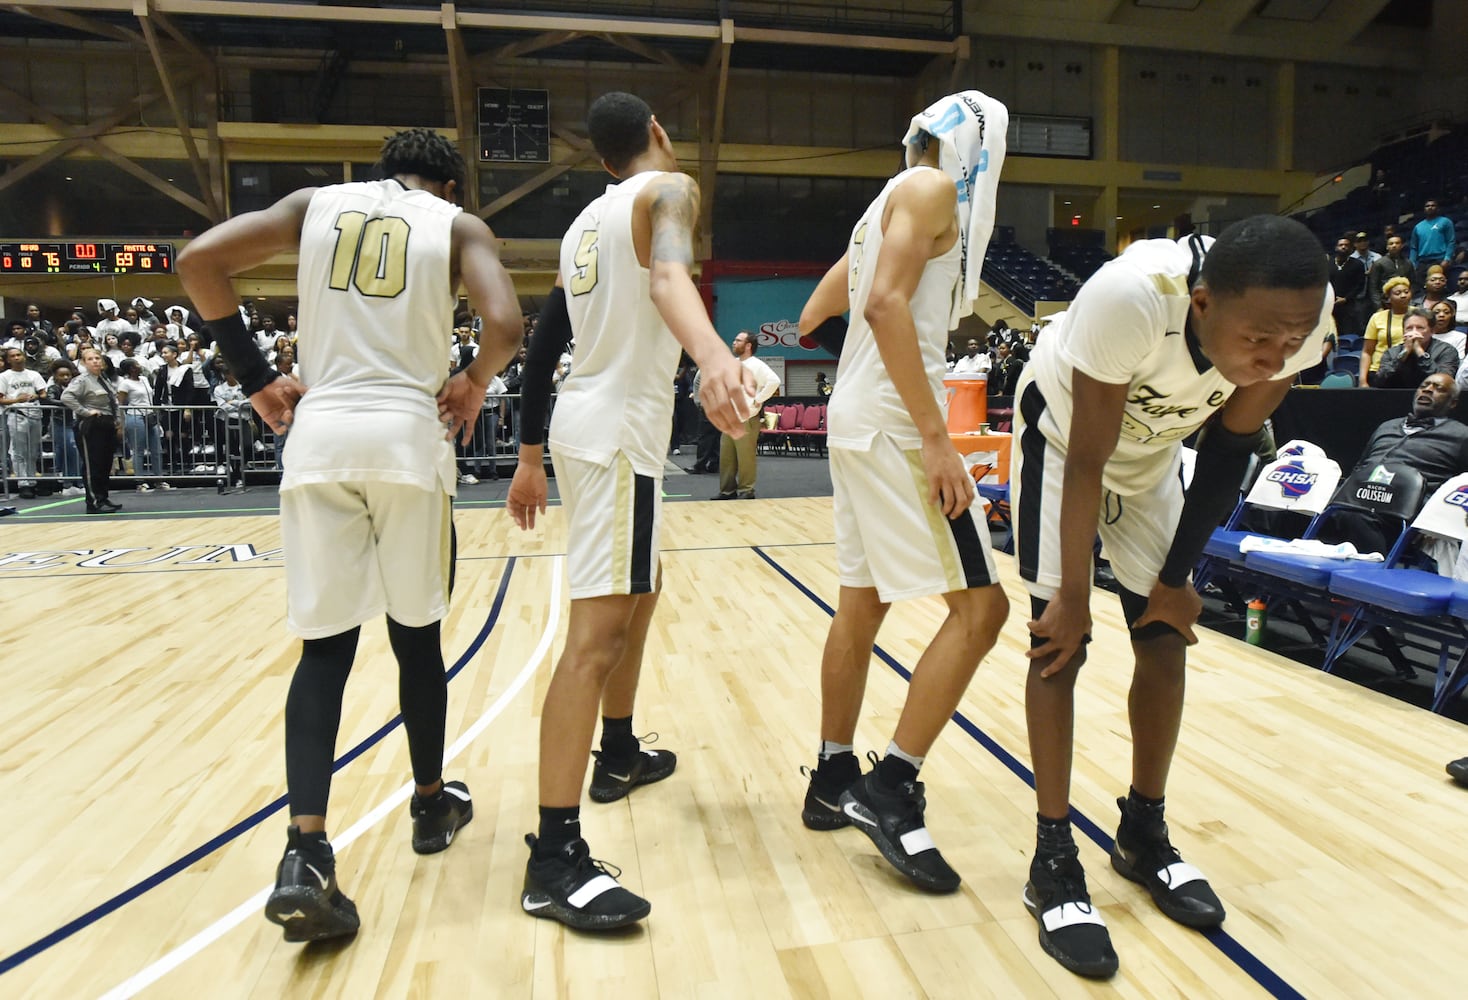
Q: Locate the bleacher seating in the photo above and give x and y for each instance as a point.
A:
(1021, 276)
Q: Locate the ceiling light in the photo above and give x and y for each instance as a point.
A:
(1156, 206)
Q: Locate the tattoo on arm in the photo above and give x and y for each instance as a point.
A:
(674, 212)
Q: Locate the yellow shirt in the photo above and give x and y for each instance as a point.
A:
(1385, 331)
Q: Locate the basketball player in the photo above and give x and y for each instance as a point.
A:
(905, 522)
(625, 294)
(1164, 339)
(369, 477)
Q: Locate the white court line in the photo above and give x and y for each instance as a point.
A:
(251, 907)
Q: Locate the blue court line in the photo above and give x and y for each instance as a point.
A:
(1235, 952)
(251, 821)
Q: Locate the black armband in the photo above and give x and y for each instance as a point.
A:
(239, 350)
(547, 343)
(1223, 458)
(831, 334)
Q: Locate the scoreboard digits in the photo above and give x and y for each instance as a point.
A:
(86, 258)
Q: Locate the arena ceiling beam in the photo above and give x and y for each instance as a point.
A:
(186, 134)
(461, 84)
(711, 133)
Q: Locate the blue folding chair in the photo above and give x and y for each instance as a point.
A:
(1416, 602)
(1302, 582)
(1338, 380)
(1299, 481)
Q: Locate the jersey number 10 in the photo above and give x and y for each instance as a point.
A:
(373, 256)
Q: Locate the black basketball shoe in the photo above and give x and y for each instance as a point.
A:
(894, 822)
(1144, 854)
(307, 902)
(573, 887)
(1071, 929)
(613, 777)
(828, 780)
(437, 818)
(1459, 770)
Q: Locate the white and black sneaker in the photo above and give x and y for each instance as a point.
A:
(612, 778)
(822, 809)
(1071, 929)
(894, 822)
(1144, 854)
(573, 887)
(307, 902)
(437, 818)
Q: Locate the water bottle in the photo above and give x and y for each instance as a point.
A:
(1254, 622)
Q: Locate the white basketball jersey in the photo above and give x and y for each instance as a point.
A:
(616, 397)
(865, 401)
(376, 320)
(1129, 326)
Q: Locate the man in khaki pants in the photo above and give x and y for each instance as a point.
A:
(737, 456)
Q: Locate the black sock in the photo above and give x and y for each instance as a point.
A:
(316, 843)
(1053, 836)
(893, 772)
(558, 827)
(1135, 800)
(617, 739)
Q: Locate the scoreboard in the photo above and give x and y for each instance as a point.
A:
(86, 258)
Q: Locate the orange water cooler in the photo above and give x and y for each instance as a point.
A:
(968, 402)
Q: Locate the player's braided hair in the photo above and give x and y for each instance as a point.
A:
(424, 152)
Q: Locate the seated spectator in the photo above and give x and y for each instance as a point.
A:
(78, 338)
(282, 342)
(146, 318)
(975, 361)
(1384, 329)
(1460, 299)
(1434, 289)
(1445, 326)
(1417, 356)
(1428, 440)
(823, 388)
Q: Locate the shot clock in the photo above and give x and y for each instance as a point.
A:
(30, 258)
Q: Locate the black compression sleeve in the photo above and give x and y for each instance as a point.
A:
(238, 348)
(547, 344)
(831, 334)
(1223, 458)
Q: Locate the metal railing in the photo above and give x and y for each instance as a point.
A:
(164, 446)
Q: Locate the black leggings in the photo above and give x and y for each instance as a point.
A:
(313, 709)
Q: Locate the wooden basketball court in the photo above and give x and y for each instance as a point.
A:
(142, 773)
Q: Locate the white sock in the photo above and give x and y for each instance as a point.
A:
(830, 749)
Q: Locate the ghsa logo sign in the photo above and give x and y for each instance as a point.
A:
(1294, 480)
(1459, 499)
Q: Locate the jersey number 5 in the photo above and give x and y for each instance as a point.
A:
(371, 255)
(584, 280)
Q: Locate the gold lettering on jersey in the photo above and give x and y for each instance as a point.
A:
(857, 239)
(584, 280)
(372, 256)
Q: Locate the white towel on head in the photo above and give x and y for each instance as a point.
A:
(171, 309)
(104, 306)
(141, 303)
(971, 128)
